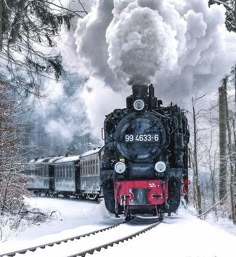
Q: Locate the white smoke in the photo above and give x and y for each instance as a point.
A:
(143, 40)
(182, 47)
(91, 42)
(66, 42)
(99, 100)
(140, 44)
(61, 111)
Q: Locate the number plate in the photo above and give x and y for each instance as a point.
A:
(129, 138)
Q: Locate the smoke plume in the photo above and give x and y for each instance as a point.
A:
(142, 41)
(182, 47)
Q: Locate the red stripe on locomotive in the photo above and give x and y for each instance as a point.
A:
(136, 192)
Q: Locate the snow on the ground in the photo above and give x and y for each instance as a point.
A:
(74, 217)
(181, 235)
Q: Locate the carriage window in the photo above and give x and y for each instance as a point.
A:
(87, 168)
(69, 171)
(93, 167)
(81, 167)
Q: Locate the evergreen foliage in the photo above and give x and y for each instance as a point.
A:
(28, 39)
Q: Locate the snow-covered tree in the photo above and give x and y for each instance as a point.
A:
(12, 182)
(28, 38)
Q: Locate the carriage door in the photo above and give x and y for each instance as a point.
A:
(51, 169)
(77, 176)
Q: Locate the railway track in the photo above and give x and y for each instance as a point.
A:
(86, 243)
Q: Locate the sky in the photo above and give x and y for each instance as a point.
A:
(181, 235)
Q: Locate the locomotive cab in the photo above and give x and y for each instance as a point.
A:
(144, 155)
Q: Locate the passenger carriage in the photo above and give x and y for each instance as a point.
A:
(90, 183)
(67, 176)
(40, 175)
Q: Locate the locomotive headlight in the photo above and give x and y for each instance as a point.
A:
(120, 167)
(160, 167)
(138, 105)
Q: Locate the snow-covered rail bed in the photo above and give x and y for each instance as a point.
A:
(86, 243)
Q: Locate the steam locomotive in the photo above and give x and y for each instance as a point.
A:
(141, 169)
(144, 165)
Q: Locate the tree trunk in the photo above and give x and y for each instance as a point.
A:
(17, 22)
(222, 143)
(195, 158)
(1, 24)
(212, 166)
(230, 153)
(234, 182)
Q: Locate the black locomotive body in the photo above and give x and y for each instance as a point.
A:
(145, 156)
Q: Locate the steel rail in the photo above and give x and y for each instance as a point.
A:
(121, 240)
(42, 246)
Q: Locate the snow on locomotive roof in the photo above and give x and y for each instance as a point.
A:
(91, 152)
(69, 159)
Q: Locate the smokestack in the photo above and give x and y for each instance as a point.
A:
(140, 91)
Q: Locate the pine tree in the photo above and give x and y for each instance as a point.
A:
(29, 29)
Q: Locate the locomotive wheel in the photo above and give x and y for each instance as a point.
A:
(109, 201)
(128, 217)
(174, 194)
(161, 216)
(109, 197)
